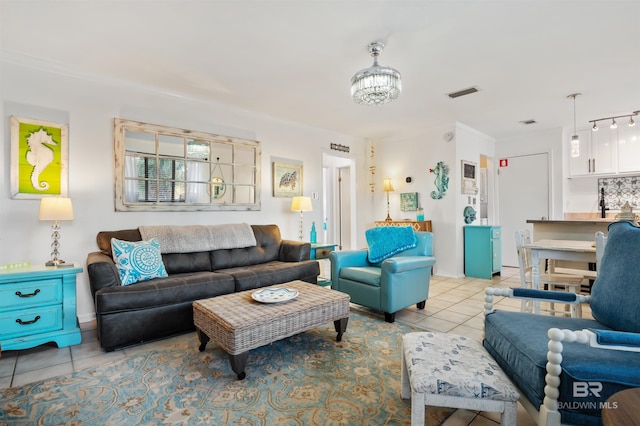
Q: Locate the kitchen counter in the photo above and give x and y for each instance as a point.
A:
(572, 229)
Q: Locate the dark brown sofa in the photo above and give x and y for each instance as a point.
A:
(161, 307)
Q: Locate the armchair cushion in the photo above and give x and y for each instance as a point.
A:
(518, 342)
(368, 274)
(385, 241)
(616, 338)
(616, 291)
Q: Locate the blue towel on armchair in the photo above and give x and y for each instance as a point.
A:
(385, 241)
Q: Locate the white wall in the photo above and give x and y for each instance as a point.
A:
(89, 104)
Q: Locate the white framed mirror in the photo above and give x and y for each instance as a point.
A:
(159, 168)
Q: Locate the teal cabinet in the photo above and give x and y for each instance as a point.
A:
(38, 305)
(482, 251)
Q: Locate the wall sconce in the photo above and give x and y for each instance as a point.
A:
(301, 204)
(387, 187)
(55, 209)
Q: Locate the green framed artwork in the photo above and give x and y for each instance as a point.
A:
(287, 179)
(39, 158)
(409, 201)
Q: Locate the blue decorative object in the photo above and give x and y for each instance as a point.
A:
(441, 181)
(138, 261)
(385, 241)
(469, 214)
(313, 238)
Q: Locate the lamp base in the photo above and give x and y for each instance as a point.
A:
(58, 263)
(388, 219)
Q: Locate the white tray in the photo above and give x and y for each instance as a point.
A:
(274, 295)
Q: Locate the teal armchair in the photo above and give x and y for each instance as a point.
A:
(388, 286)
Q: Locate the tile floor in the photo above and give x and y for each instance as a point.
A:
(454, 305)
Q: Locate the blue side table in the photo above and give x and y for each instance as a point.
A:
(321, 251)
(38, 305)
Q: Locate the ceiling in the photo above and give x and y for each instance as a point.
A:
(294, 59)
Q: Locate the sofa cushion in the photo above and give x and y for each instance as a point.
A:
(518, 342)
(137, 261)
(103, 239)
(182, 263)
(363, 274)
(163, 291)
(267, 249)
(276, 272)
(616, 291)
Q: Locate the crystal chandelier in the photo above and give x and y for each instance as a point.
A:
(376, 85)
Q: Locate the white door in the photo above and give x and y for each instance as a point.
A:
(523, 194)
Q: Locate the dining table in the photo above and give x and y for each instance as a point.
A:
(563, 250)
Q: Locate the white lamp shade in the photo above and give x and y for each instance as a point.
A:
(301, 204)
(387, 186)
(55, 208)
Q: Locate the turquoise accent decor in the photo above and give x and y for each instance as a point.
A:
(469, 215)
(138, 261)
(441, 181)
(385, 241)
(313, 238)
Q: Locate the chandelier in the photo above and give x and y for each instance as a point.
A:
(376, 85)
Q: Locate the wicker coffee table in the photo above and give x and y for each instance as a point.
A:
(238, 323)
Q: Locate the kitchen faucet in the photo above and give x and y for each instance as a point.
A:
(603, 208)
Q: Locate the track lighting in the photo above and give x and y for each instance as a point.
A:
(613, 124)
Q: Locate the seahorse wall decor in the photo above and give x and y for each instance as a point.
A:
(441, 181)
(40, 155)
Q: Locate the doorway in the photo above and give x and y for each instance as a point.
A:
(523, 194)
(338, 200)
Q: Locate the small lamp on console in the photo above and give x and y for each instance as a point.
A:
(301, 204)
(387, 187)
(55, 209)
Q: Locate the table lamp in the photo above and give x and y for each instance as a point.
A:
(55, 209)
(301, 204)
(387, 187)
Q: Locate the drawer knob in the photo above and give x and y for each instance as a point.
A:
(19, 321)
(19, 293)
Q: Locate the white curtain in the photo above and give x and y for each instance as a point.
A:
(130, 186)
(197, 192)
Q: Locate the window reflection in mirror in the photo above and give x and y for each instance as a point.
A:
(161, 168)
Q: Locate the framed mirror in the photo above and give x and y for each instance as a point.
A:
(159, 168)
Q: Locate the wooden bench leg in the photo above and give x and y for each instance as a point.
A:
(238, 363)
(204, 339)
(341, 327)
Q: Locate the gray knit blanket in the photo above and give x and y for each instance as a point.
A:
(193, 238)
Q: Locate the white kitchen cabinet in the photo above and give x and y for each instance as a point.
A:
(628, 148)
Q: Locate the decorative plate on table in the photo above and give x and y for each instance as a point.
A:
(274, 295)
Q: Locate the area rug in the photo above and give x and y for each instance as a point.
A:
(307, 379)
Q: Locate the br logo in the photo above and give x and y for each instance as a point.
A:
(584, 389)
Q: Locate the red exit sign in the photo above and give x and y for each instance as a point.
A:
(504, 162)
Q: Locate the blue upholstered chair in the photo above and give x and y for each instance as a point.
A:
(390, 285)
(566, 368)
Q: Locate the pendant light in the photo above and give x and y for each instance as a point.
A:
(575, 139)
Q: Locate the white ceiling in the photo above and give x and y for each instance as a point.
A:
(294, 58)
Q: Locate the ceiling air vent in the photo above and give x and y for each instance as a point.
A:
(527, 122)
(463, 92)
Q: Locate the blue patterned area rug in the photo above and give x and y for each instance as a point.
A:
(307, 379)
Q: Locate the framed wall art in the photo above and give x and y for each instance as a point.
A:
(409, 201)
(39, 158)
(287, 179)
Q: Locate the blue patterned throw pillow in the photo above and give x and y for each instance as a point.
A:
(137, 261)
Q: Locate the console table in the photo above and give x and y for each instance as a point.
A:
(417, 225)
(38, 305)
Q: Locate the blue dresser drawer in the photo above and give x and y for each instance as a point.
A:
(25, 322)
(26, 294)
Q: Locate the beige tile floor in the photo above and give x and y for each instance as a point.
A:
(454, 306)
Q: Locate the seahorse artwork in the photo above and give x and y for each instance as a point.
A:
(40, 155)
(289, 179)
(441, 181)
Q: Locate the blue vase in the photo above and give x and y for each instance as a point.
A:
(313, 237)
